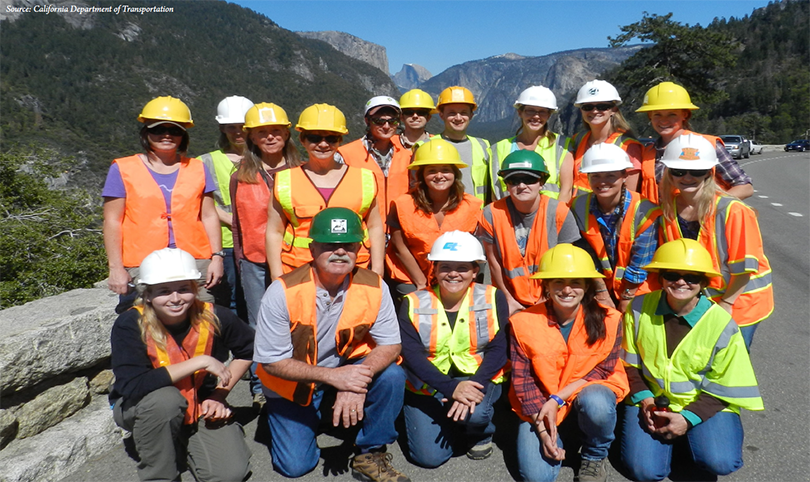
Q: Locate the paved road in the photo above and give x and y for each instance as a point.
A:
(777, 442)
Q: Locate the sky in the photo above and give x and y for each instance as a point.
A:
(440, 34)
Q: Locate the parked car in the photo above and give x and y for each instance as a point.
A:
(756, 148)
(800, 145)
(737, 146)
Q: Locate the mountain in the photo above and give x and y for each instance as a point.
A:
(411, 76)
(76, 82)
(354, 47)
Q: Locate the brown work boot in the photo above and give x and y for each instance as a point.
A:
(593, 471)
(376, 467)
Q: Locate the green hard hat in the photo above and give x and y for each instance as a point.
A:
(524, 161)
(336, 225)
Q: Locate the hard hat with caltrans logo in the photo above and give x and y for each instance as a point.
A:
(336, 225)
(457, 246)
(266, 114)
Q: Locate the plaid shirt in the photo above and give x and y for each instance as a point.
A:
(528, 387)
(644, 245)
(727, 169)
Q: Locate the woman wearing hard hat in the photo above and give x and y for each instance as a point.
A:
(694, 207)
(454, 350)
(302, 192)
(417, 107)
(598, 102)
(437, 204)
(160, 199)
(168, 356)
(535, 106)
(566, 373)
(269, 150)
(688, 369)
(619, 225)
(669, 108)
(222, 163)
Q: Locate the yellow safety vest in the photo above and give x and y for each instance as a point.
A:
(221, 168)
(552, 154)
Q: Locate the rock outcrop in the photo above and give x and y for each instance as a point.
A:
(354, 47)
(411, 76)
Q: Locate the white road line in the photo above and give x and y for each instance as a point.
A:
(796, 214)
(788, 156)
(762, 197)
(776, 204)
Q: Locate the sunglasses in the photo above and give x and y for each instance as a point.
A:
(673, 276)
(164, 129)
(412, 112)
(521, 179)
(316, 139)
(381, 122)
(599, 107)
(534, 112)
(691, 172)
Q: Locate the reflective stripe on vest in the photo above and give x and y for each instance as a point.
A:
(352, 339)
(714, 343)
(553, 156)
(199, 341)
(221, 169)
(480, 161)
(464, 345)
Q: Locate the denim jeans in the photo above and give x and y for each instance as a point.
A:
(716, 446)
(595, 411)
(255, 279)
(229, 278)
(747, 333)
(432, 436)
(294, 427)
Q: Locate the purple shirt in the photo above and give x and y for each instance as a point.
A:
(114, 188)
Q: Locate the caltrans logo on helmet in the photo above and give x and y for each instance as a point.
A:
(593, 90)
(339, 226)
(451, 246)
(690, 154)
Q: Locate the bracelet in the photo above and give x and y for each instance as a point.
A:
(560, 402)
(221, 254)
(725, 301)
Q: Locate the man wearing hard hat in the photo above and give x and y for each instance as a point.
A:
(327, 338)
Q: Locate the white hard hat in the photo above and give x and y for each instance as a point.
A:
(537, 96)
(605, 158)
(457, 246)
(376, 102)
(597, 91)
(167, 265)
(690, 151)
(231, 110)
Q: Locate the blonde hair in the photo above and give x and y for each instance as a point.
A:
(152, 327)
(617, 123)
(252, 160)
(704, 199)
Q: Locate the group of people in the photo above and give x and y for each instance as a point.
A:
(621, 275)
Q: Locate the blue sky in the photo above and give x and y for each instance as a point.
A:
(440, 34)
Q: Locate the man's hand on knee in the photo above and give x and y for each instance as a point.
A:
(348, 407)
(351, 378)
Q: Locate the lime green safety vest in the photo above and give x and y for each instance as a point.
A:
(221, 168)
(711, 358)
(479, 164)
(552, 153)
(445, 347)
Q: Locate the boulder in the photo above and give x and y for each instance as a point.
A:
(51, 407)
(8, 427)
(102, 383)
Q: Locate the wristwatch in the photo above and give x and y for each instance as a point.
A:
(560, 402)
(221, 254)
(627, 294)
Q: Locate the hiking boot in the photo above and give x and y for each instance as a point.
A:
(593, 471)
(480, 451)
(259, 400)
(376, 467)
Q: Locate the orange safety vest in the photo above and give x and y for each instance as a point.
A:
(732, 237)
(619, 138)
(440, 342)
(250, 203)
(199, 341)
(421, 230)
(145, 227)
(360, 309)
(516, 268)
(301, 201)
(649, 184)
(556, 363)
(640, 216)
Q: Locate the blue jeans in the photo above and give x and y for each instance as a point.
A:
(229, 277)
(716, 446)
(255, 279)
(595, 411)
(747, 333)
(294, 427)
(432, 436)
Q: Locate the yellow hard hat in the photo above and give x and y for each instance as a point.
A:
(683, 255)
(457, 95)
(265, 114)
(667, 96)
(566, 261)
(167, 109)
(322, 117)
(436, 151)
(417, 99)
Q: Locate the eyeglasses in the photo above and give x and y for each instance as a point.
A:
(534, 112)
(673, 276)
(316, 139)
(521, 179)
(412, 112)
(691, 172)
(599, 107)
(163, 129)
(381, 122)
